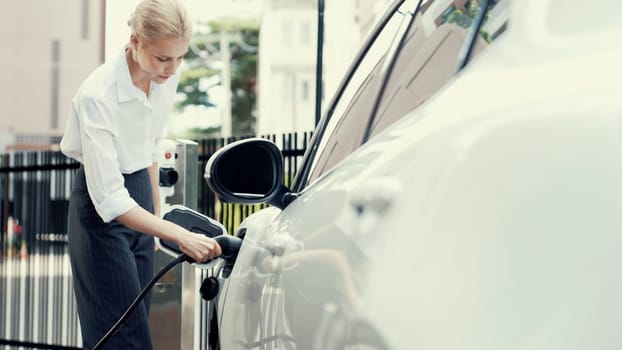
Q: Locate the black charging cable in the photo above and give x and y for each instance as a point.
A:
(230, 246)
(140, 298)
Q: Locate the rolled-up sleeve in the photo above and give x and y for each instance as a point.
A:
(104, 180)
(157, 150)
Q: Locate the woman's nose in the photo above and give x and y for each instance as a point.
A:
(171, 68)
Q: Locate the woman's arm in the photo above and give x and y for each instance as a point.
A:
(154, 175)
(106, 188)
(198, 247)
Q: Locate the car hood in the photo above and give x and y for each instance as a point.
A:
(489, 217)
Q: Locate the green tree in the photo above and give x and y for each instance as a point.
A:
(205, 45)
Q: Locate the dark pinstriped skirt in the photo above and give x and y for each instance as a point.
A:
(110, 264)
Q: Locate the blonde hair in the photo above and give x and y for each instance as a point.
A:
(160, 19)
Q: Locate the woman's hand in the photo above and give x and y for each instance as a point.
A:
(197, 246)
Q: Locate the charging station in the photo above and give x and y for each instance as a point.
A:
(174, 318)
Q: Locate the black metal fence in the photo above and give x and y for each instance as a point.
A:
(36, 292)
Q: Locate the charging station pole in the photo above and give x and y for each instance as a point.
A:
(174, 315)
(187, 186)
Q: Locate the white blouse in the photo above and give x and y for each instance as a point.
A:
(115, 129)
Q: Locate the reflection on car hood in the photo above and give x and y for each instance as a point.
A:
(492, 212)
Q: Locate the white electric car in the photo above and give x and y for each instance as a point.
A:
(461, 192)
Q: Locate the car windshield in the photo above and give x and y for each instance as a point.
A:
(426, 60)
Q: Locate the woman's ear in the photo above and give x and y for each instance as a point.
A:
(133, 41)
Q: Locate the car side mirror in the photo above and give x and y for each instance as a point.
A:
(248, 171)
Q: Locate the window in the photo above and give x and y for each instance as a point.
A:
(445, 15)
(349, 114)
(304, 90)
(305, 33)
(287, 87)
(427, 61)
(287, 32)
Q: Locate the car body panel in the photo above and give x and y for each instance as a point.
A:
(487, 218)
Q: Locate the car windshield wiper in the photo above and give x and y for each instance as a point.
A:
(467, 49)
(390, 68)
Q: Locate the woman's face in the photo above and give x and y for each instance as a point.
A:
(159, 60)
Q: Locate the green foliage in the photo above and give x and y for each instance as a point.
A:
(205, 44)
(460, 18)
(471, 7)
(189, 83)
(465, 18)
(484, 34)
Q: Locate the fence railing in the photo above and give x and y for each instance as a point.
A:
(36, 291)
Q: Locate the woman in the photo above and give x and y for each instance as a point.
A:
(118, 116)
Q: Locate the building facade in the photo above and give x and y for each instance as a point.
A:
(50, 47)
(286, 66)
(287, 57)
